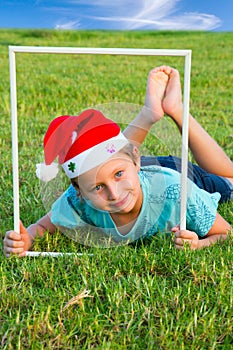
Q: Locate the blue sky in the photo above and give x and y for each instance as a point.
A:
(211, 15)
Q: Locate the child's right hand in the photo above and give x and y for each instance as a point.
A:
(15, 243)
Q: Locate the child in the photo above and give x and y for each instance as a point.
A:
(109, 189)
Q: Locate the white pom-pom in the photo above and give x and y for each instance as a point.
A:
(47, 172)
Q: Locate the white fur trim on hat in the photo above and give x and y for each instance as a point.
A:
(94, 156)
(47, 172)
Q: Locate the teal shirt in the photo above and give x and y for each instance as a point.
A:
(159, 213)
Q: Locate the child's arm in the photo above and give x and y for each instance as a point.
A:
(15, 243)
(219, 231)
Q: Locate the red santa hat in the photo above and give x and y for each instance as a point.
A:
(80, 142)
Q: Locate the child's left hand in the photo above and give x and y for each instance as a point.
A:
(183, 237)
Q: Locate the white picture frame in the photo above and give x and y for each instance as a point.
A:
(98, 51)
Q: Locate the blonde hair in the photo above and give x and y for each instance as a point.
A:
(131, 151)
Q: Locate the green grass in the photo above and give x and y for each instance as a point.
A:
(146, 296)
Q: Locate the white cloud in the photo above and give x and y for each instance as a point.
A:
(68, 25)
(132, 14)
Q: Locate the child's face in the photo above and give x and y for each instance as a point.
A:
(114, 186)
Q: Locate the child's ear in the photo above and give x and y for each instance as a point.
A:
(137, 157)
(76, 186)
(74, 183)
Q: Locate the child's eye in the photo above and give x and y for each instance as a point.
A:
(98, 187)
(119, 173)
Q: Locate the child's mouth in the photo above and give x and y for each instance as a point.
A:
(121, 202)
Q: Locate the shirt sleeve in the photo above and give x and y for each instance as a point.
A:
(64, 215)
(201, 210)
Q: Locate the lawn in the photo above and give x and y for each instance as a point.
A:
(145, 296)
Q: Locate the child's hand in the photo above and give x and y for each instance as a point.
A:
(15, 243)
(183, 237)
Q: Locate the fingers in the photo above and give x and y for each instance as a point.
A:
(14, 251)
(175, 228)
(185, 237)
(17, 243)
(12, 235)
(23, 229)
(180, 243)
(13, 244)
(185, 234)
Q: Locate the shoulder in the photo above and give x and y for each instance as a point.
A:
(158, 174)
(160, 184)
(157, 169)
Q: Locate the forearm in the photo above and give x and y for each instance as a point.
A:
(40, 227)
(35, 230)
(206, 242)
(220, 231)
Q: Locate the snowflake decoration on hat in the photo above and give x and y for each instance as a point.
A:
(111, 148)
(71, 166)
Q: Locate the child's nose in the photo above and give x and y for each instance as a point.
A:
(113, 191)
